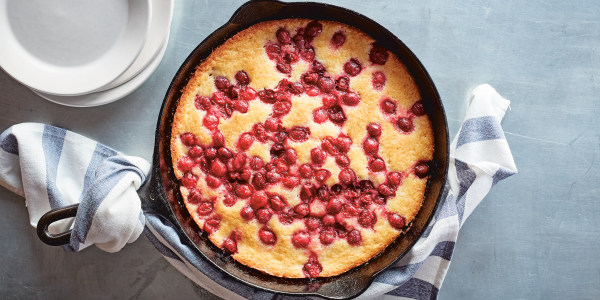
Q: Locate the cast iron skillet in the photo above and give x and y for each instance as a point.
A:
(160, 194)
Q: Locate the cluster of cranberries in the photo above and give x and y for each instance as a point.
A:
(329, 212)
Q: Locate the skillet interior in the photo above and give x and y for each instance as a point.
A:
(164, 197)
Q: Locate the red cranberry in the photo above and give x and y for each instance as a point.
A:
(312, 268)
(296, 88)
(273, 176)
(318, 156)
(272, 124)
(374, 129)
(267, 96)
(195, 152)
(185, 164)
(388, 106)
(273, 50)
(280, 137)
(327, 236)
(343, 83)
(233, 92)
(343, 143)
(323, 193)
(322, 175)
(290, 156)
(248, 93)
(245, 174)
(263, 215)
(247, 213)
(258, 200)
(328, 145)
(306, 192)
(299, 134)
(299, 40)
(352, 67)
(229, 200)
(245, 141)
(354, 238)
(325, 84)
(317, 209)
(282, 107)
(342, 160)
(313, 91)
(366, 218)
(290, 57)
(338, 39)
(213, 181)
(241, 106)
(377, 165)
(405, 124)
(242, 78)
(378, 199)
(312, 223)
(330, 101)
(290, 181)
(350, 210)
(256, 163)
(385, 190)
(219, 98)
(421, 169)
(280, 165)
(218, 139)
(347, 176)
(194, 197)
(211, 225)
(286, 218)
(397, 221)
(365, 200)
(366, 185)
(328, 220)
(222, 83)
(313, 28)
(188, 139)
(284, 68)
(224, 154)
(378, 80)
(308, 54)
(418, 109)
(259, 181)
(336, 114)
(202, 102)
(335, 205)
(351, 99)
(210, 121)
(218, 168)
(229, 245)
(305, 171)
(283, 36)
(320, 115)
(205, 208)
(394, 178)
(243, 191)
(267, 236)
(239, 161)
(277, 150)
(310, 78)
(378, 55)
(189, 180)
(277, 203)
(301, 239)
(211, 153)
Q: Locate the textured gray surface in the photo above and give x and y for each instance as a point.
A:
(536, 235)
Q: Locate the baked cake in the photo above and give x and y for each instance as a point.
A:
(302, 147)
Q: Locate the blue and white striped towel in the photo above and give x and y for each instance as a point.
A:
(480, 157)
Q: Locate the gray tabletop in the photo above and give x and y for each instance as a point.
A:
(536, 235)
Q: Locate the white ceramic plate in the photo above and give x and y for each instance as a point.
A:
(71, 47)
(159, 28)
(111, 95)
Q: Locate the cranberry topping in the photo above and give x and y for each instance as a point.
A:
(365, 200)
(273, 177)
(312, 223)
(283, 36)
(347, 176)
(189, 180)
(385, 190)
(194, 197)
(418, 109)
(378, 55)
(239, 161)
(306, 193)
(374, 129)
(224, 154)
(267, 236)
(296, 88)
(273, 50)
(343, 143)
(328, 220)
(335, 205)
(213, 181)
(205, 208)
(371, 146)
(378, 80)
(229, 200)
(394, 178)
(338, 39)
(312, 268)
(388, 106)
(267, 96)
(377, 165)
(272, 124)
(229, 245)
(352, 67)
(343, 83)
(243, 191)
(210, 121)
(320, 115)
(301, 239)
(245, 141)
(310, 78)
(258, 200)
(351, 99)
(397, 221)
(284, 68)
(188, 139)
(422, 169)
(242, 78)
(308, 54)
(330, 101)
(342, 160)
(326, 236)
(318, 209)
(222, 83)
(366, 218)
(336, 114)
(325, 84)
(247, 213)
(202, 102)
(185, 164)
(405, 124)
(313, 28)
(282, 107)
(263, 215)
(290, 181)
(322, 175)
(318, 156)
(354, 238)
(212, 225)
(241, 106)
(218, 168)
(299, 134)
(277, 203)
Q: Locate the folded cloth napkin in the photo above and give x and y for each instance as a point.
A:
(52, 168)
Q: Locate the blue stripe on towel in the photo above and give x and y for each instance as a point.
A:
(53, 139)
(8, 142)
(480, 129)
(101, 152)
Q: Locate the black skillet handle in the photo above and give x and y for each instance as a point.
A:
(52, 216)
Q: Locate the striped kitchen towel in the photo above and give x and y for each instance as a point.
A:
(479, 158)
(52, 168)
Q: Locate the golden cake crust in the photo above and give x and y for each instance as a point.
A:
(401, 151)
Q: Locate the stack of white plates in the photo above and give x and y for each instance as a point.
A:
(83, 52)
